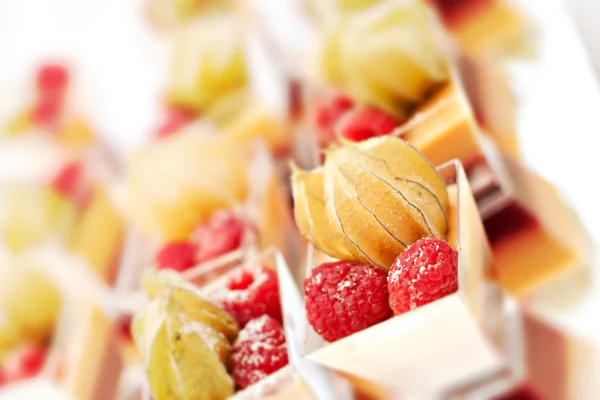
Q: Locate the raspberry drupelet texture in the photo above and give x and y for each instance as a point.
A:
(366, 122)
(258, 351)
(222, 233)
(179, 256)
(249, 293)
(345, 297)
(426, 271)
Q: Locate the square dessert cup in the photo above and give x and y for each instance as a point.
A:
(541, 250)
(292, 381)
(465, 343)
(483, 26)
(36, 210)
(492, 98)
(558, 363)
(523, 213)
(83, 358)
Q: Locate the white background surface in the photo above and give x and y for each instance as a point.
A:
(121, 65)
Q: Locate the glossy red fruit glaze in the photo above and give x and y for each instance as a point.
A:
(345, 297)
(426, 271)
(179, 256)
(329, 113)
(24, 363)
(52, 79)
(367, 122)
(222, 233)
(176, 119)
(250, 292)
(68, 180)
(258, 351)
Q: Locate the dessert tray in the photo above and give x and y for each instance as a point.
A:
(339, 199)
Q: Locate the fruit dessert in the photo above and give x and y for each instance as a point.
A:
(388, 274)
(50, 112)
(50, 328)
(211, 81)
(199, 195)
(65, 205)
(445, 129)
(215, 339)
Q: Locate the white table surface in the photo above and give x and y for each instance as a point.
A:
(121, 64)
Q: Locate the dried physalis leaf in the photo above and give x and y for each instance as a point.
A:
(182, 365)
(185, 342)
(370, 201)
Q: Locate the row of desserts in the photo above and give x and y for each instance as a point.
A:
(61, 239)
(421, 130)
(216, 154)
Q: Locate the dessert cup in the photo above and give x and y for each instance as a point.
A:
(493, 100)
(540, 248)
(83, 359)
(483, 26)
(479, 351)
(264, 205)
(44, 203)
(558, 364)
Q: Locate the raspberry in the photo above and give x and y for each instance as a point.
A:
(222, 233)
(329, 113)
(345, 297)
(426, 271)
(176, 119)
(250, 292)
(24, 363)
(179, 256)
(52, 79)
(67, 181)
(258, 351)
(124, 327)
(46, 112)
(365, 123)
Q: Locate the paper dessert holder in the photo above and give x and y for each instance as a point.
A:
(468, 342)
(84, 360)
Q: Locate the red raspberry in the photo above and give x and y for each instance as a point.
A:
(179, 256)
(24, 363)
(176, 119)
(345, 297)
(258, 351)
(52, 79)
(329, 113)
(124, 327)
(46, 112)
(222, 233)
(67, 181)
(426, 271)
(250, 292)
(365, 123)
